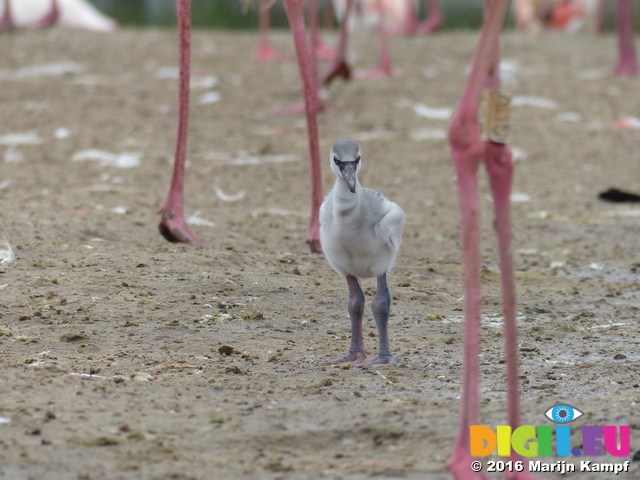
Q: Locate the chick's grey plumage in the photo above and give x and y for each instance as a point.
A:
(360, 232)
(361, 239)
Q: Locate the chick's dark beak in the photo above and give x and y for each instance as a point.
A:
(348, 170)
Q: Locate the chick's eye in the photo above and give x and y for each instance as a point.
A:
(563, 413)
(335, 160)
(357, 160)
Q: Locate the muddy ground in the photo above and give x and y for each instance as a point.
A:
(110, 337)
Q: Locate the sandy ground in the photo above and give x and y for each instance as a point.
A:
(110, 337)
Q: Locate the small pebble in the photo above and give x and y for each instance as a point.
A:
(226, 350)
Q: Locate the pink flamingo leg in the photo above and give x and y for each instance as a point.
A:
(412, 25)
(433, 21)
(601, 11)
(329, 18)
(384, 68)
(320, 49)
(50, 18)
(627, 62)
(299, 108)
(339, 66)
(468, 151)
(172, 225)
(266, 51)
(6, 21)
(320, 105)
(295, 14)
(411, 22)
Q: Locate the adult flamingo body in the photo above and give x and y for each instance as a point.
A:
(266, 51)
(535, 16)
(339, 66)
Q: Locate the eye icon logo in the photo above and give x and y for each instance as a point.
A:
(562, 413)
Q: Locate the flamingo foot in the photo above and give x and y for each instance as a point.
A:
(380, 361)
(405, 30)
(356, 358)
(430, 25)
(266, 53)
(296, 109)
(625, 69)
(324, 51)
(299, 109)
(378, 72)
(314, 245)
(6, 21)
(175, 230)
(313, 236)
(460, 466)
(338, 69)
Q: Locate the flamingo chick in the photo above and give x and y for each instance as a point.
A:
(360, 233)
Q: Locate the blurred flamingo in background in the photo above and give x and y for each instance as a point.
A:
(339, 67)
(536, 16)
(266, 51)
(365, 14)
(386, 12)
(412, 25)
(321, 49)
(66, 13)
(172, 222)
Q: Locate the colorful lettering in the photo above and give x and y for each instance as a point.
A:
(563, 440)
(592, 441)
(504, 440)
(611, 441)
(530, 441)
(544, 440)
(482, 440)
(524, 441)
